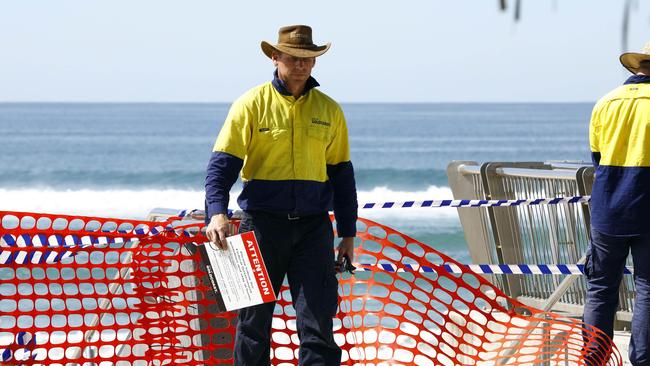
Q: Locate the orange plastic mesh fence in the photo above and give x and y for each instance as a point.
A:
(440, 318)
(84, 290)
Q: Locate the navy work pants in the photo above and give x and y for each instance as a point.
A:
(604, 269)
(301, 248)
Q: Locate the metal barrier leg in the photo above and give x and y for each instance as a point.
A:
(548, 305)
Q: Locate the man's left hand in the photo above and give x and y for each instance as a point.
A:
(346, 249)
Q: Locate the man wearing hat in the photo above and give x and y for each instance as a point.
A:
(290, 142)
(620, 205)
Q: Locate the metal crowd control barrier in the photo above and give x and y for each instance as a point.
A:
(532, 234)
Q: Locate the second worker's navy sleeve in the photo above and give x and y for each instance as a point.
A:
(222, 172)
(595, 159)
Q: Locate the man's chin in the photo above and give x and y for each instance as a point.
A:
(300, 78)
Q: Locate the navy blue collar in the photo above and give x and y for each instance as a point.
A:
(638, 79)
(279, 85)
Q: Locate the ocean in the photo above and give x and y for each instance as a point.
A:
(122, 160)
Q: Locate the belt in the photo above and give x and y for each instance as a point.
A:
(286, 216)
(293, 217)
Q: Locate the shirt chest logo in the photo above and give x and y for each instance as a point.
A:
(317, 121)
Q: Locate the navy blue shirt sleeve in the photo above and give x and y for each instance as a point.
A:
(345, 204)
(222, 173)
(595, 158)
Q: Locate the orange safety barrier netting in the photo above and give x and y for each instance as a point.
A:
(85, 290)
(410, 317)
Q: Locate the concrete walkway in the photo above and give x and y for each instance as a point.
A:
(622, 341)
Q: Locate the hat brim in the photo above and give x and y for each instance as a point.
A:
(316, 51)
(632, 61)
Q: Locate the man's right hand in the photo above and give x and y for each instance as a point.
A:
(217, 230)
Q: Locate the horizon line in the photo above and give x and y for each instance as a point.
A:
(340, 102)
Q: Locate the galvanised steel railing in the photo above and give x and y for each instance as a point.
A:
(536, 234)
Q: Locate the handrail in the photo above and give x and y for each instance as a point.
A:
(469, 169)
(563, 173)
(536, 173)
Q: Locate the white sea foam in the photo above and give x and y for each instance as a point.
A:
(124, 203)
(128, 203)
(383, 194)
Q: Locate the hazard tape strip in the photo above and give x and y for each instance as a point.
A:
(525, 269)
(434, 203)
(41, 248)
(477, 203)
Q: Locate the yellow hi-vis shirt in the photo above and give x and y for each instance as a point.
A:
(281, 138)
(294, 155)
(619, 136)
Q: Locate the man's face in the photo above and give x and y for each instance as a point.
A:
(293, 69)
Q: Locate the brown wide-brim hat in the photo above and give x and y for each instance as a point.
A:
(632, 61)
(295, 40)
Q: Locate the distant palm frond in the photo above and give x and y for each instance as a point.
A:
(625, 26)
(517, 10)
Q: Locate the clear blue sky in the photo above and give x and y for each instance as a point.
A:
(382, 51)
